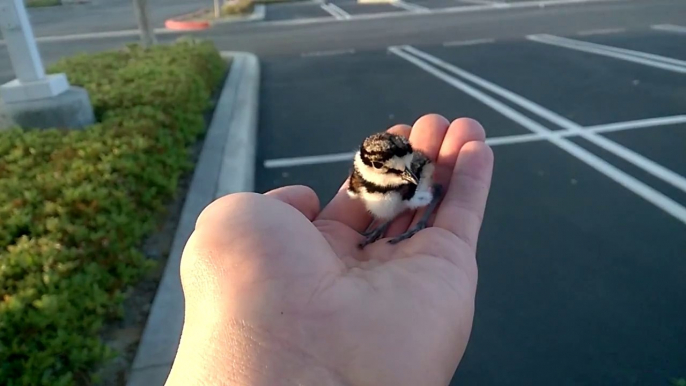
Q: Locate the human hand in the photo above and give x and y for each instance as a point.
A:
(277, 291)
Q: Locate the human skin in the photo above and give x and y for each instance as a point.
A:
(277, 292)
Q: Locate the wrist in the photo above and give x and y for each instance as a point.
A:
(239, 354)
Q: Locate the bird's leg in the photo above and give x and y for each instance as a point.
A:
(421, 224)
(370, 229)
(374, 234)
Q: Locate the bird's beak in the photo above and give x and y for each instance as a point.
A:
(409, 176)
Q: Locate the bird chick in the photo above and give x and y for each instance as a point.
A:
(389, 176)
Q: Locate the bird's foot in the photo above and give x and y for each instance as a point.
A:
(411, 232)
(372, 235)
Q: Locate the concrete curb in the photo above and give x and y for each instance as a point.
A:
(226, 165)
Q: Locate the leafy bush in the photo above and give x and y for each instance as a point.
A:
(237, 7)
(76, 205)
(42, 3)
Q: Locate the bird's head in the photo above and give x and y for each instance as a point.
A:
(385, 159)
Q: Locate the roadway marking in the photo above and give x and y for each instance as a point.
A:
(644, 58)
(603, 31)
(459, 43)
(409, 6)
(494, 141)
(335, 11)
(327, 53)
(427, 63)
(669, 28)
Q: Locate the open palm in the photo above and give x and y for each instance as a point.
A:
(277, 291)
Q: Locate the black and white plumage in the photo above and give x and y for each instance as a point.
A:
(389, 176)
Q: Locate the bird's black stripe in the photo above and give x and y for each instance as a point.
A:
(369, 156)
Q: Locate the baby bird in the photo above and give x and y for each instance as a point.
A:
(389, 176)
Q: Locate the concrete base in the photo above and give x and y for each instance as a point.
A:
(49, 86)
(71, 109)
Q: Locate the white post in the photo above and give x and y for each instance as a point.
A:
(31, 82)
(147, 34)
(21, 45)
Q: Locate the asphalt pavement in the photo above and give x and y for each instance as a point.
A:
(581, 256)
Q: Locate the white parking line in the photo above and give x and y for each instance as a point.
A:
(644, 58)
(603, 31)
(472, 42)
(494, 141)
(423, 60)
(669, 27)
(335, 11)
(409, 6)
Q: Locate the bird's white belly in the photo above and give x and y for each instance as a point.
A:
(385, 206)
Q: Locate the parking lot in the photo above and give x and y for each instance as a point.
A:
(582, 256)
(307, 10)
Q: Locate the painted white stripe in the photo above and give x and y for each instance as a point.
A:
(335, 11)
(638, 124)
(409, 6)
(494, 141)
(327, 53)
(472, 42)
(604, 31)
(640, 54)
(308, 160)
(669, 27)
(634, 56)
(339, 10)
(651, 195)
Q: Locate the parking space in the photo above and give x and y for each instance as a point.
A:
(369, 91)
(438, 4)
(586, 88)
(354, 8)
(346, 9)
(294, 11)
(581, 255)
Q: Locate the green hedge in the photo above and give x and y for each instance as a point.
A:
(75, 206)
(41, 3)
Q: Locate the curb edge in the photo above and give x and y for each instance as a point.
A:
(233, 127)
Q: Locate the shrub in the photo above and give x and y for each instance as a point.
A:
(42, 3)
(237, 7)
(75, 206)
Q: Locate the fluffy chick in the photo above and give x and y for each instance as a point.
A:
(389, 176)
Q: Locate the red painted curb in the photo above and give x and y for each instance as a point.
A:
(186, 25)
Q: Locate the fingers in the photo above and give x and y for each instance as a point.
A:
(463, 206)
(461, 131)
(300, 197)
(427, 136)
(349, 211)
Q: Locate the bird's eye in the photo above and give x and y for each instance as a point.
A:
(377, 165)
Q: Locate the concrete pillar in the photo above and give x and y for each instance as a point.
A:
(35, 99)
